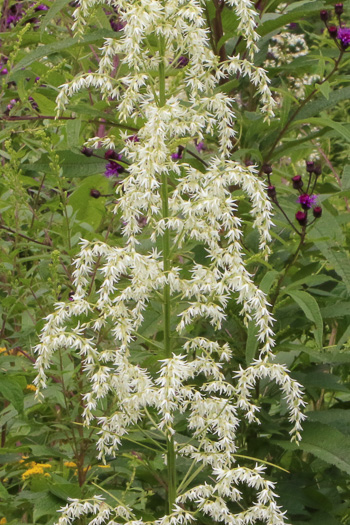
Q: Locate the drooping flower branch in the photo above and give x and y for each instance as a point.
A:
(182, 206)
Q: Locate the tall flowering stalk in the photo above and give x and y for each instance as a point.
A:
(182, 206)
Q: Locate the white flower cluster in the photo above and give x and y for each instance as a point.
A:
(283, 49)
(184, 206)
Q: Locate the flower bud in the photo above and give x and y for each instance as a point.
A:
(297, 182)
(310, 166)
(338, 8)
(317, 211)
(110, 154)
(324, 15)
(267, 169)
(301, 217)
(318, 170)
(333, 31)
(95, 194)
(87, 151)
(271, 191)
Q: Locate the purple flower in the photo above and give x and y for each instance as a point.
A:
(33, 103)
(200, 146)
(344, 36)
(182, 62)
(4, 71)
(11, 104)
(113, 169)
(117, 25)
(41, 7)
(133, 138)
(307, 201)
(178, 154)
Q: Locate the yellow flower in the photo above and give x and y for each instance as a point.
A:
(2, 350)
(3, 520)
(70, 464)
(36, 469)
(31, 387)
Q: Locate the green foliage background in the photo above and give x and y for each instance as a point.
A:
(46, 207)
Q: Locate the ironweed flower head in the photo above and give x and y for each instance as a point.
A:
(324, 15)
(307, 201)
(113, 169)
(338, 9)
(301, 217)
(317, 212)
(343, 35)
(271, 191)
(112, 155)
(297, 182)
(333, 31)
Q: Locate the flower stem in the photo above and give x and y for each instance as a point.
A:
(171, 456)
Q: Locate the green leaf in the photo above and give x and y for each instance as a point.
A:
(57, 6)
(324, 442)
(72, 164)
(324, 88)
(89, 209)
(338, 258)
(47, 505)
(341, 130)
(320, 104)
(3, 492)
(335, 417)
(311, 309)
(56, 47)
(252, 340)
(10, 390)
(73, 133)
(46, 106)
(345, 180)
(336, 310)
(299, 9)
(65, 490)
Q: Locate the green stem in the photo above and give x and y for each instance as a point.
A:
(171, 456)
(289, 265)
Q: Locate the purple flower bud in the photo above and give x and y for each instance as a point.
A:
(333, 31)
(317, 211)
(95, 194)
(87, 151)
(317, 170)
(267, 169)
(301, 217)
(324, 15)
(271, 191)
(110, 154)
(338, 8)
(310, 166)
(4, 71)
(297, 182)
